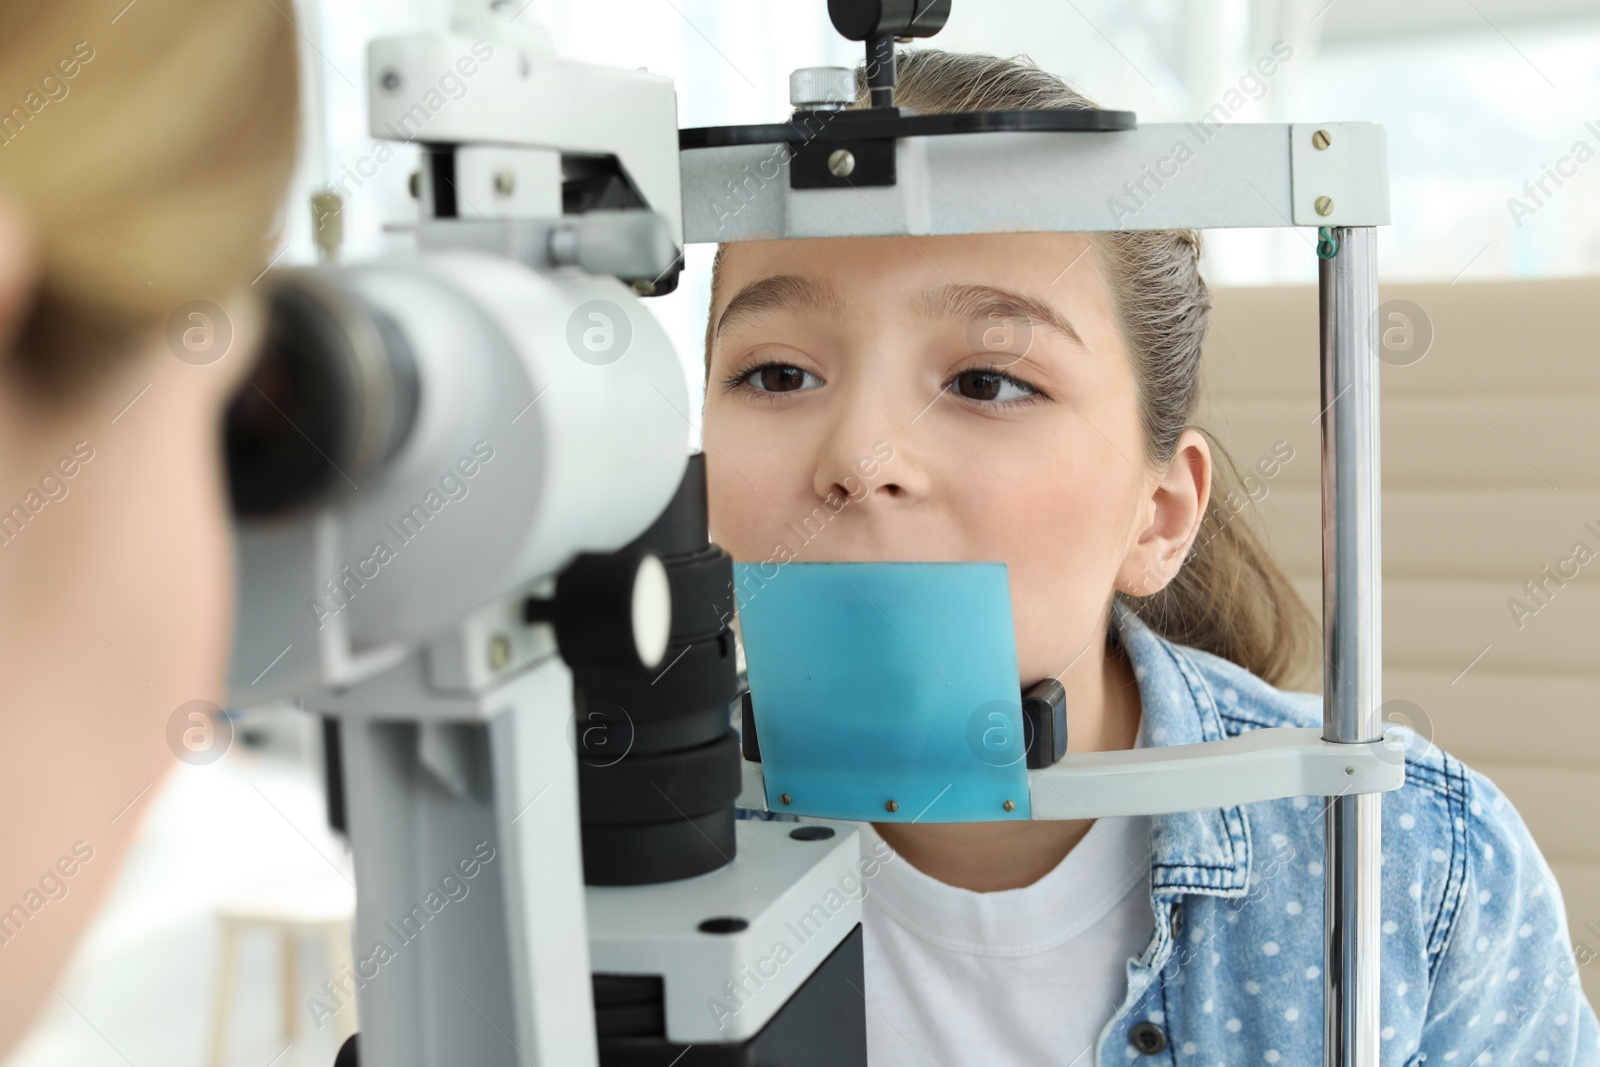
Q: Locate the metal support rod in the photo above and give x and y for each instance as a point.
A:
(1352, 639)
(881, 75)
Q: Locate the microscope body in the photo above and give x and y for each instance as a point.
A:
(470, 537)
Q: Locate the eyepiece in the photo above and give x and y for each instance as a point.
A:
(333, 395)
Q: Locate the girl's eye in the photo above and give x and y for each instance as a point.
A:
(771, 378)
(989, 385)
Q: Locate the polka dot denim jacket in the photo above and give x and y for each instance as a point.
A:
(1477, 965)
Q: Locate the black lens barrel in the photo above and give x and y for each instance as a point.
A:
(333, 394)
(658, 759)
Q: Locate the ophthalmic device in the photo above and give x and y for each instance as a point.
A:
(471, 539)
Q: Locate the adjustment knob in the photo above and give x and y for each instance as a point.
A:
(610, 610)
(862, 20)
(822, 88)
(651, 608)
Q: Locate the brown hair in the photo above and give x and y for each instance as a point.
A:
(150, 150)
(1229, 598)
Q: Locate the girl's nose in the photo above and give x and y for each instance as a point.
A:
(870, 456)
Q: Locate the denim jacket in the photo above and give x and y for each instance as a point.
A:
(1476, 964)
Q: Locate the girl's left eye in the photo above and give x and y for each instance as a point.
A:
(767, 380)
(992, 386)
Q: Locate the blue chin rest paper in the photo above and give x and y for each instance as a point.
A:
(885, 692)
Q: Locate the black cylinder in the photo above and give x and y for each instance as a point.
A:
(332, 396)
(658, 759)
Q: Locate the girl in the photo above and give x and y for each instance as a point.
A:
(1033, 392)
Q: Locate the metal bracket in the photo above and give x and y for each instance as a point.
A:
(1339, 173)
(631, 245)
(814, 164)
(1156, 177)
(1264, 764)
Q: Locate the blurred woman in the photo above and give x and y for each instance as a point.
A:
(145, 149)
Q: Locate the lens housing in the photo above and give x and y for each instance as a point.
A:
(332, 396)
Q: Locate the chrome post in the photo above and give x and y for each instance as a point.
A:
(1352, 639)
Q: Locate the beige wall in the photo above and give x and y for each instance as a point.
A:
(1491, 468)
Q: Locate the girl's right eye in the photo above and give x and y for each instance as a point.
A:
(767, 380)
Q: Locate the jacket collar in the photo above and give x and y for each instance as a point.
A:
(1205, 851)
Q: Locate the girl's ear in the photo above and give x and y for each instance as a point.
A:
(1170, 518)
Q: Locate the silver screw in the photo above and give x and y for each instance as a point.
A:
(893, 805)
(841, 163)
(390, 80)
(1349, 770)
(505, 182)
(1324, 205)
(1320, 139)
(1010, 805)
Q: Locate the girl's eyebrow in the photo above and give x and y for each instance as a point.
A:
(987, 302)
(779, 292)
(793, 292)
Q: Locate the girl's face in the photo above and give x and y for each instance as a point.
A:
(941, 398)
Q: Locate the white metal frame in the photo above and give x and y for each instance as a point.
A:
(1165, 176)
(1290, 761)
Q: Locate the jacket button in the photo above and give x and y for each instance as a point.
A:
(1147, 1037)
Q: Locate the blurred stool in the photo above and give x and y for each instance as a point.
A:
(292, 908)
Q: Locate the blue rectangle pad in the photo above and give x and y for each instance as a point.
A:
(885, 691)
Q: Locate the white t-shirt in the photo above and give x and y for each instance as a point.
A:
(1021, 976)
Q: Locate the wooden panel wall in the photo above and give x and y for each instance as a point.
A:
(1490, 449)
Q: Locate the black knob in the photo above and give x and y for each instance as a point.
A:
(861, 20)
(609, 610)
